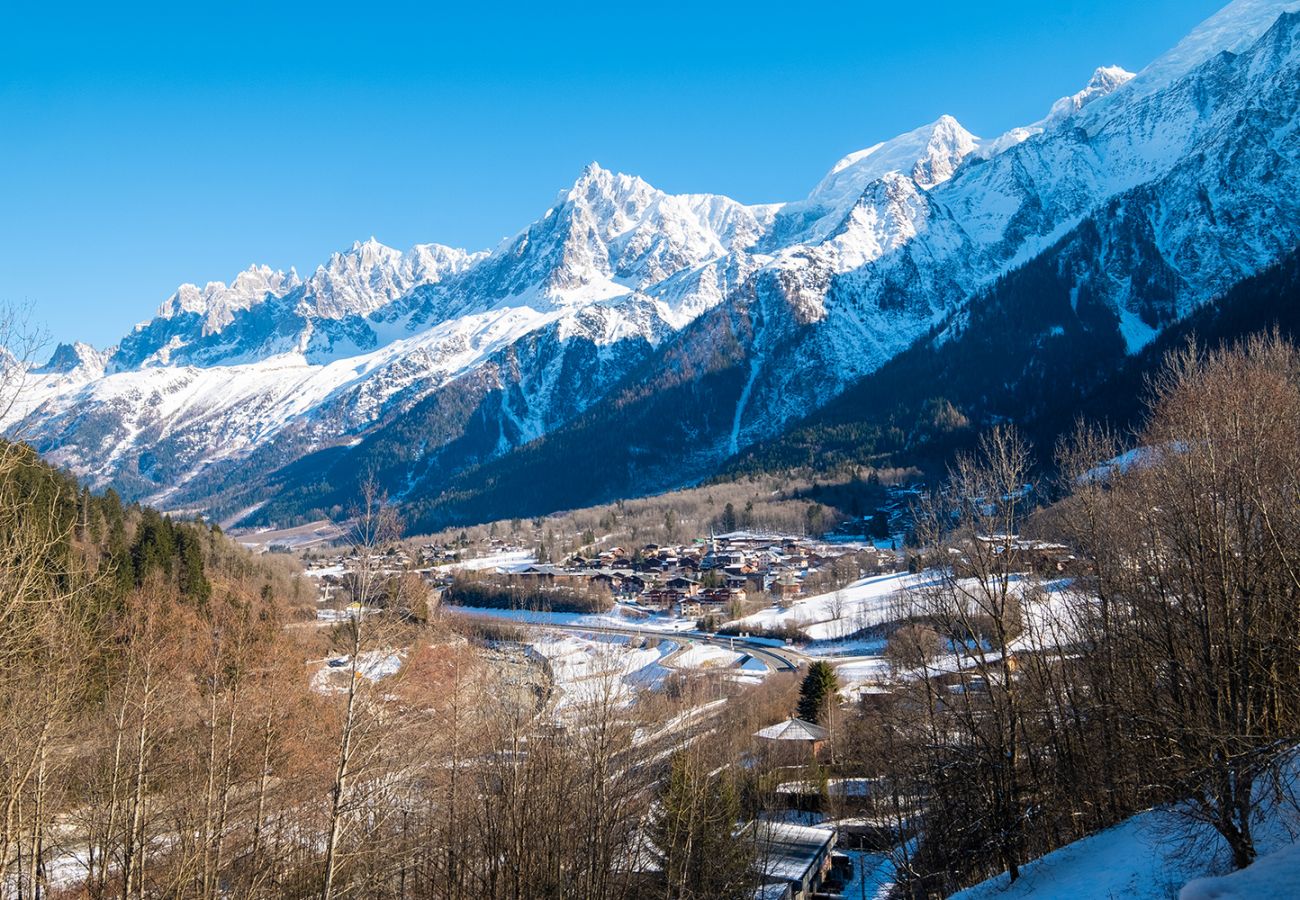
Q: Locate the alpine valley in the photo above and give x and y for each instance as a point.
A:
(629, 340)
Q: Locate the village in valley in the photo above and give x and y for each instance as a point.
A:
(700, 620)
(713, 579)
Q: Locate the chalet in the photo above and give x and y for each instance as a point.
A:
(608, 580)
(722, 596)
(720, 559)
(661, 599)
(548, 575)
(1012, 553)
(688, 586)
(786, 587)
(795, 732)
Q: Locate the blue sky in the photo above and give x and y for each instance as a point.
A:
(149, 146)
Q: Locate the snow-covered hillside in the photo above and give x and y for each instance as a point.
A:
(1184, 177)
(1158, 855)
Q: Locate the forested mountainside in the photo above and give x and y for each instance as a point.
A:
(937, 397)
(675, 333)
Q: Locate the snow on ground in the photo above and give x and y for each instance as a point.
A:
(858, 674)
(706, 656)
(1051, 614)
(753, 665)
(502, 561)
(302, 537)
(338, 571)
(831, 617)
(1150, 857)
(619, 617)
(378, 664)
(1272, 877)
(335, 614)
(838, 614)
(833, 650)
(835, 787)
(591, 669)
(373, 665)
(873, 875)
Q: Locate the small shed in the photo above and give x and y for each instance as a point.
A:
(794, 738)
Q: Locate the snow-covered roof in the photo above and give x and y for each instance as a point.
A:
(789, 851)
(793, 730)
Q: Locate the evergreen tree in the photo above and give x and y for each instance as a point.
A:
(670, 523)
(880, 525)
(728, 522)
(191, 580)
(817, 692)
(694, 834)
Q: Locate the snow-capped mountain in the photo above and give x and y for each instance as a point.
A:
(929, 155)
(1153, 193)
(264, 313)
(76, 358)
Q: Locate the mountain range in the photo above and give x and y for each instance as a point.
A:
(630, 340)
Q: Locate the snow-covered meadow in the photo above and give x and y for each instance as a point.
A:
(589, 670)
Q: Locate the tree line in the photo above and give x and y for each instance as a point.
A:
(1028, 712)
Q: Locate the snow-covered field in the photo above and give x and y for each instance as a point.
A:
(503, 561)
(373, 665)
(706, 656)
(870, 601)
(1272, 877)
(611, 669)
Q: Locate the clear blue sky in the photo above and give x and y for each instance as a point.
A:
(145, 147)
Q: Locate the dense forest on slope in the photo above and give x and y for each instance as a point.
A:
(106, 548)
(1033, 350)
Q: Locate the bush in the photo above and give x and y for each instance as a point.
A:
(913, 645)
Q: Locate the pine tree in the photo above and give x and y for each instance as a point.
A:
(818, 691)
(728, 519)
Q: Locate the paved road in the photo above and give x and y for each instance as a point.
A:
(778, 659)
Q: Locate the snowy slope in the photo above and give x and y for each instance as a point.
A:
(223, 371)
(1271, 877)
(1195, 160)
(1152, 856)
